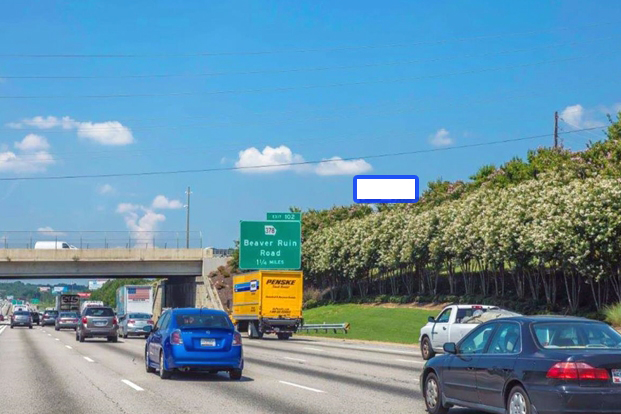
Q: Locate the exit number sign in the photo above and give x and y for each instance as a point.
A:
(285, 216)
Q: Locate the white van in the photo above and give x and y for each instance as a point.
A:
(53, 245)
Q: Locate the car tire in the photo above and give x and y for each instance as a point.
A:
(124, 336)
(518, 401)
(115, 339)
(29, 326)
(426, 350)
(164, 373)
(432, 393)
(235, 374)
(76, 336)
(56, 329)
(81, 337)
(11, 326)
(148, 367)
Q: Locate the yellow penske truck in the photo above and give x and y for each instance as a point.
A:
(268, 301)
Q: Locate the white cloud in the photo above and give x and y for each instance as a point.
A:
(127, 207)
(32, 142)
(338, 166)
(441, 138)
(31, 162)
(161, 202)
(48, 231)
(106, 189)
(270, 159)
(579, 117)
(104, 133)
(252, 157)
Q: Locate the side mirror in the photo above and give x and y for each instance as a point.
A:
(431, 319)
(148, 328)
(450, 348)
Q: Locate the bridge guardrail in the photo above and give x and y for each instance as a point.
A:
(325, 327)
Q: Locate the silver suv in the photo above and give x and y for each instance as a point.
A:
(97, 322)
(21, 318)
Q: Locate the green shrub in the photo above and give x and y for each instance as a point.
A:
(310, 304)
(613, 314)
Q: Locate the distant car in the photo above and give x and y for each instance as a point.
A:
(97, 322)
(528, 365)
(21, 318)
(35, 317)
(67, 320)
(49, 318)
(134, 324)
(190, 339)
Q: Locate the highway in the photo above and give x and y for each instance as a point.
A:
(44, 371)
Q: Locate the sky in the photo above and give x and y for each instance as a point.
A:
(97, 88)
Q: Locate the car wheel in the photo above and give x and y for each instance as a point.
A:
(235, 374)
(56, 328)
(164, 373)
(76, 336)
(11, 326)
(115, 339)
(426, 349)
(148, 367)
(124, 336)
(81, 337)
(433, 395)
(29, 326)
(518, 402)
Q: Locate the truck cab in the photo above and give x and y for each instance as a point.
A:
(448, 326)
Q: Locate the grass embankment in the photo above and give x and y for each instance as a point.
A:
(372, 323)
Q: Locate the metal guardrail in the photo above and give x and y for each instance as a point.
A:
(106, 239)
(325, 327)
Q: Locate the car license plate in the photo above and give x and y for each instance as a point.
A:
(208, 342)
(101, 323)
(616, 376)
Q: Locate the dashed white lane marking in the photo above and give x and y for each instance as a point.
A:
(131, 384)
(49, 334)
(313, 349)
(301, 386)
(88, 359)
(410, 361)
(295, 359)
(2, 329)
(68, 347)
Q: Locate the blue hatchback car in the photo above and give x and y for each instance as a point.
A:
(192, 339)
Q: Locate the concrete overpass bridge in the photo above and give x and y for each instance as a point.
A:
(183, 273)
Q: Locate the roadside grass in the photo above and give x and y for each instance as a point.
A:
(371, 323)
(613, 315)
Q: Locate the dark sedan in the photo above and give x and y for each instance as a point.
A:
(49, 318)
(35, 317)
(528, 365)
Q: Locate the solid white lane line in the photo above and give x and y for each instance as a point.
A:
(68, 347)
(295, 359)
(88, 359)
(131, 384)
(313, 349)
(2, 329)
(301, 386)
(409, 360)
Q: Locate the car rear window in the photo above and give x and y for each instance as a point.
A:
(466, 313)
(202, 321)
(99, 312)
(555, 335)
(139, 316)
(21, 313)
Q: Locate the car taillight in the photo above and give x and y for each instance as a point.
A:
(237, 339)
(577, 371)
(84, 321)
(149, 322)
(114, 321)
(131, 321)
(175, 338)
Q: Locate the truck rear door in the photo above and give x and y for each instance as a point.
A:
(282, 295)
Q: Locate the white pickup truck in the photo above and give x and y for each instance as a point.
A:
(449, 326)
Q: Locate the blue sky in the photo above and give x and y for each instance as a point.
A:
(548, 55)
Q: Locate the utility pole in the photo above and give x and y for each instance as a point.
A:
(187, 221)
(556, 129)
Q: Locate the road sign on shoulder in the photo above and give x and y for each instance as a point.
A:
(270, 245)
(284, 216)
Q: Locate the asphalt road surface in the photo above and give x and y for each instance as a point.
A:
(44, 371)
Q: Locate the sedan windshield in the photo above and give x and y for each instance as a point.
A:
(203, 321)
(555, 335)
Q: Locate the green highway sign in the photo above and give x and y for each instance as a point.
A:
(34, 301)
(284, 216)
(270, 245)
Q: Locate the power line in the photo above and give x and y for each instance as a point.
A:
(307, 50)
(297, 70)
(304, 87)
(291, 164)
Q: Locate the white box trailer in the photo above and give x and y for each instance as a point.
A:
(134, 299)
